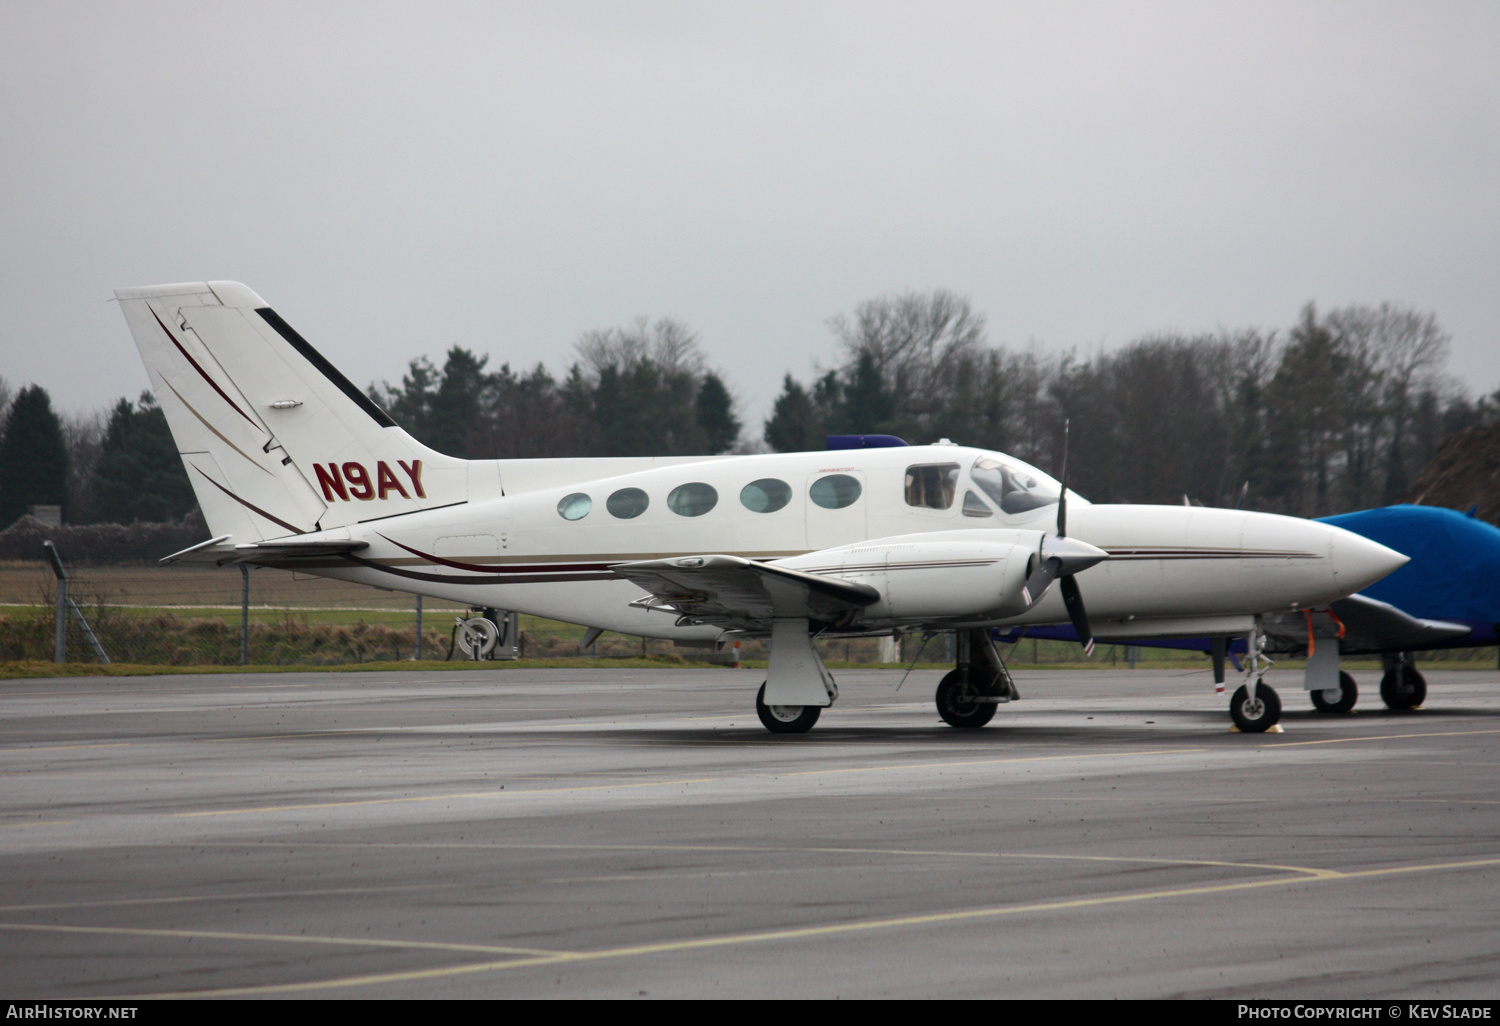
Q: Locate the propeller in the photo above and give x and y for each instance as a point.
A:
(1062, 557)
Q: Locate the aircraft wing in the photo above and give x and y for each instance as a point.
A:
(741, 592)
(1372, 626)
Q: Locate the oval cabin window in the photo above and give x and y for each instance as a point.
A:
(627, 503)
(834, 491)
(575, 506)
(766, 495)
(692, 500)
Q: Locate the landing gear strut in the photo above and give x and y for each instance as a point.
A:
(968, 695)
(798, 685)
(1255, 707)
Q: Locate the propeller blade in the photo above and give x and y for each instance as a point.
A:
(1040, 580)
(1062, 500)
(1073, 599)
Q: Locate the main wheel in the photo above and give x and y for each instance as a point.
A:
(1337, 700)
(1403, 688)
(1258, 716)
(785, 719)
(958, 703)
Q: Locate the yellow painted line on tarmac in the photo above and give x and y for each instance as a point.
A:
(182, 899)
(762, 849)
(37, 823)
(281, 737)
(437, 798)
(279, 938)
(1380, 737)
(825, 930)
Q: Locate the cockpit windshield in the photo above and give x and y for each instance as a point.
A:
(1015, 489)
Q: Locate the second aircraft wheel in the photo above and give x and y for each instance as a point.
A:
(958, 705)
(1258, 716)
(785, 719)
(1403, 689)
(1337, 700)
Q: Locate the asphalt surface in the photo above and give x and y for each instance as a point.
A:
(635, 833)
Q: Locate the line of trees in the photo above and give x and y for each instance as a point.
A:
(117, 468)
(641, 390)
(1338, 412)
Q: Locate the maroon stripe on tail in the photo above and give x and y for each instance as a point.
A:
(251, 506)
(205, 377)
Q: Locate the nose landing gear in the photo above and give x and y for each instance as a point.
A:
(1255, 707)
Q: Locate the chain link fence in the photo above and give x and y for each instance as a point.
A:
(190, 616)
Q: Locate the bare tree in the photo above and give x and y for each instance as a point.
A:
(919, 343)
(668, 344)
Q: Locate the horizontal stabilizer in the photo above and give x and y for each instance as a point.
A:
(219, 552)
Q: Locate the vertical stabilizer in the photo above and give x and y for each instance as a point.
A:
(275, 440)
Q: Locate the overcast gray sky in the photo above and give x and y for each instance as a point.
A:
(399, 178)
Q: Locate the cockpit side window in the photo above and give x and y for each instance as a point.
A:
(932, 485)
(974, 506)
(1013, 489)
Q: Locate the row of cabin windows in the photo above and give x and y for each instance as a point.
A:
(928, 486)
(766, 495)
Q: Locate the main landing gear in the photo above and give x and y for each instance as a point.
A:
(798, 686)
(785, 719)
(968, 694)
(1336, 700)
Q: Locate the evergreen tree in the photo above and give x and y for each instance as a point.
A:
(33, 456)
(719, 426)
(794, 425)
(868, 408)
(139, 475)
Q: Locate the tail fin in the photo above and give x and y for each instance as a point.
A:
(275, 440)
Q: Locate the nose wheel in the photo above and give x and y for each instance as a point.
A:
(1258, 713)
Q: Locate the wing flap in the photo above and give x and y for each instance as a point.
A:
(743, 591)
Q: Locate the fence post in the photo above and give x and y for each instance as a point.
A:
(418, 656)
(244, 614)
(60, 624)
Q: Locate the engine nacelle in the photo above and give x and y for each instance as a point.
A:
(957, 575)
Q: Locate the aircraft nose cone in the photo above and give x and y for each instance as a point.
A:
(1359, 562)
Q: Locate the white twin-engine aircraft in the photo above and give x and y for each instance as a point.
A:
(296, 468)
